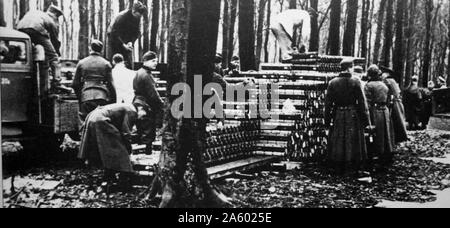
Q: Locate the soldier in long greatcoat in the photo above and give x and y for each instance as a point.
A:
(106, 138)
(396, 107)
(378, 98)
(123, 33)
(347, 115)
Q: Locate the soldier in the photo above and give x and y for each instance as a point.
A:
(396, 106)
(123, 80)
(427, 110)
(346, 114)
(148, 97)
(377, 94)
(413, 104)
(93, 82)
(123, 33)
(233, 70)
(106, 140)
(43, 29)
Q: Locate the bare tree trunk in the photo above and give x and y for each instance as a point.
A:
(146, 35)
(398, 53)
(24, 8)
(292, 4)
(226, 33)
(259, 31)
(185, 138)
(369, 52)
(348, 48)
(83, 37)
(388, 37)
(92, 19)
(410, 35)
(334, 42)
(2, 15)
(247, 35)
(267, 33)
(429, 5)
(233, 15)
(122, 5)
(155, 24)
(314, 42)
(364, 27)
(380, 22)
(448, 57)
(101, 31)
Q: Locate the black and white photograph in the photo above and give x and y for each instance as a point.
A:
(225, 104)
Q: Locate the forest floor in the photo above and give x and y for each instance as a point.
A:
(419, 177)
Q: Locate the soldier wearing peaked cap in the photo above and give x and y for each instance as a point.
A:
(347, 115)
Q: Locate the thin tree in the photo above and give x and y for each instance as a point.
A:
(259, 30)
(334, 42)
(314, 41)
(388, 35)
(233, 15)
(411, 40)
(2, 15)
(448, 57)
(267, 31)
(92, 19)
(101, 14)
(364, 27)
(83, 37)
(399, 47)
(247, 35)
(155, 24)
(184, 138)
(380, 22)
(348, 47)
(122, 5)
(226, 33)
(429, 6)
(24, 8)
(292, 4)
(146, 32)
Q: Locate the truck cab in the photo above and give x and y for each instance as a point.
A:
(30, 107)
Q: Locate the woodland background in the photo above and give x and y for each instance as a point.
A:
(411, 36)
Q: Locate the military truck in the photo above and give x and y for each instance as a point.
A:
(33, 110)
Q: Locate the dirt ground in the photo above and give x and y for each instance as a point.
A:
(414, 177)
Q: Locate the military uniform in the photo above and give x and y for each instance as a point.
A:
(147, 96)
(412, 101)
(397, 111)
(346, 109)
(377, 94)
(43, 29)
(124, 29)
(106, 137)
(93, 84)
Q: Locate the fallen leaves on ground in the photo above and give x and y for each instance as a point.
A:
(410, 179)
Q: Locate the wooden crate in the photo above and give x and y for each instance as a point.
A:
(65, 116)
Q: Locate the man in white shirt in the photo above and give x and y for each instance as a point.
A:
(123, 79)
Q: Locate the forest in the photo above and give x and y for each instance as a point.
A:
(410, 36)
